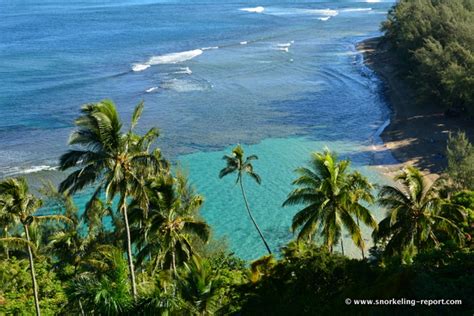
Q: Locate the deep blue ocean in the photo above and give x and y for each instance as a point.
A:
(283, 78)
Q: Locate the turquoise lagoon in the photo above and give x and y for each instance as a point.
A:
(283, 79)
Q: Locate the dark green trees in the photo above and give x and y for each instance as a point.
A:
(435, 42)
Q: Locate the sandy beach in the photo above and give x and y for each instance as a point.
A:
(417, 133)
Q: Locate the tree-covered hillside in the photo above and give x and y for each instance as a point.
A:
(434, 40)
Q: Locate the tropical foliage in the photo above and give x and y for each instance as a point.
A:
(139, 245)
(331, 196)
(417, 214)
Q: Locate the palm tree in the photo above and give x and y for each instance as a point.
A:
(104, 289)
(198, 289)
(7, 220)
(166, 234)
(116, 162)
(328, 192)
(236, 163)
(416, 213)
(20, 204)
(17, 201)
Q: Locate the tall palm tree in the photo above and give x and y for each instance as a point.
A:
(21, 205)
(416, 213)
(17, 201)
(237, 163)
(328, 192)
(116, 162)
(166, 235)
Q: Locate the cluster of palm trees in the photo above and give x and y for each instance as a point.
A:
(152, 216)
(154, 213)
(335, 200)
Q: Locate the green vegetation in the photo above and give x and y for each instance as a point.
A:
(331, 197)
(140, 246)
(460, 154)
(434, 40)
(237, 163)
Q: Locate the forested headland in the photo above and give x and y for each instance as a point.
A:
(434, 40)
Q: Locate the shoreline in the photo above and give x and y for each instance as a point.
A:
(417, 133)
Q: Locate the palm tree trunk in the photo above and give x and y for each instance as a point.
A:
(129, 248)
(251, 217)
(32, 270)
(82, 309)
(362, 248)
(342, 246)
(7, 252)
(173, 263)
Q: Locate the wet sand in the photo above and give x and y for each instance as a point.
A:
(417, 133)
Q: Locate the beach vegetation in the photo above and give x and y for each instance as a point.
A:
(140, 246)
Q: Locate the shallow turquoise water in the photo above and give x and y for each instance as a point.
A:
(284, 79)
(224, 208)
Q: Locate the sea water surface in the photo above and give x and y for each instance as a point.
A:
(282, 78)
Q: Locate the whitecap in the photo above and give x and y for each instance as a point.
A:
(253, 10)
(151, 89)
(182, 85)
(209, 48)
(284, 49)
(324, 18)
(284, 45)
(33, 169)
(356, 9)
(244, 43)
(140, 67)
(184, 71)
(172, 58)
(325, 12)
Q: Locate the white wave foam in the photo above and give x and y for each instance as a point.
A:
(140, 67)
(253, 10)
(184, 71)
(324, 18)
(209, 48)
(172, 58)
(326, 12)
(151, 89)
(33, 169)
(284, 45)
(356, 9)
(244, 43)
(181, 85)
(284, 49)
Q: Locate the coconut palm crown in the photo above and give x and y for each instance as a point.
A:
(116, 162)
(331, 197)
(237, 163)
(416, 214)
